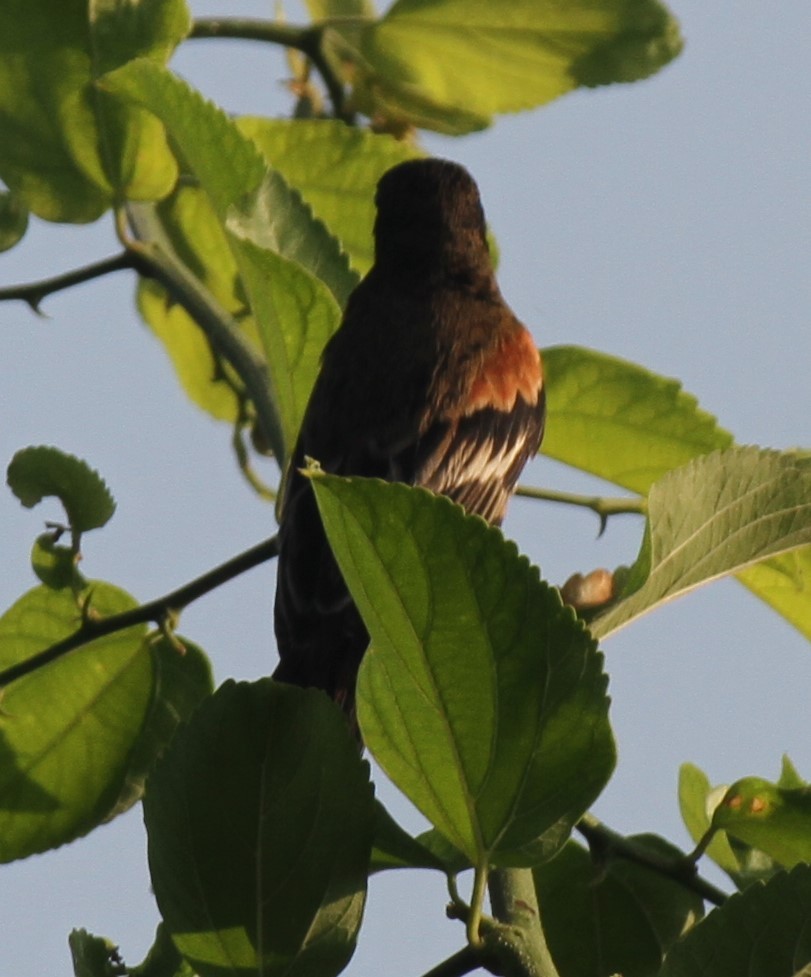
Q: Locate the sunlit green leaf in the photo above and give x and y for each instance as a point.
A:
(450, 65)
(629, 426)
(295, 316)
(257, 200)
(269, 224)
(187, 223)
(618, 917)
(54, 564)
(718, 514)
(204, 133)
(41, 471)
(323, 9)
(481, 696)
(762, 931)
(68, 149)
(198, 371)
(67, 731)
(335, 168)
(182, 680)
(619, 421)
(784, 583)
(260, 824)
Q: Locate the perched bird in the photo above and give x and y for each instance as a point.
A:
(430, 380)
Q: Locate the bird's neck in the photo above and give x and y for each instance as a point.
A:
(437, 263)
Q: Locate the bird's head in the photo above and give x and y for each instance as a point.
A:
(429, 208)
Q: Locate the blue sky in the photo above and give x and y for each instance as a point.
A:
(667, 222)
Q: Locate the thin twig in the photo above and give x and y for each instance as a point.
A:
(476, 902)
(249, 473)
(601, 505)
(308, 40)
(603, 839)
(241, 452)
(156, 611)
(35, 292)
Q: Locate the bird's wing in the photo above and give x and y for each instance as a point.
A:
(475, 450)
(476, 460)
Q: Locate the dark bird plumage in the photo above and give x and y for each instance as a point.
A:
(430, 380)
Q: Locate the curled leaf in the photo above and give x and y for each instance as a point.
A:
(38, 472)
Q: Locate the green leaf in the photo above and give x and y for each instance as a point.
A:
(96, 956)
(275, 217)
(37, 472)
(762, 931)
(260, 822)
(775, 819)
(163, 959)
(481, 696)
(192, 242)
(67, 731)
(201, 374)
(232, 346)
(629, 426)
(295, 316)
(13, 220)
(789, 777)
(619, 421)
(55, 565)
(441, 849)
(619, 917)
(182, 680)
(259, 202)
(715, 516)
(190, 223)
(450, 65)
(270, 228)
(784, 583)
(93, 956)
(396, 848)
(697, 801)
(203, 132)
(335, 168)
(66, 148)
(325, 9)
(696, 805)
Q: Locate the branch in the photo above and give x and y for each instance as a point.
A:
(520, 938)
(464, 961)
(34, 292)
(603, 840)
(601, 505)
(156, 259)
(156, 611)
(308, 40)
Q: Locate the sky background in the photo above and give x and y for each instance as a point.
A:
(667, 222)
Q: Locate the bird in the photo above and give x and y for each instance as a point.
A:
(430, 380)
